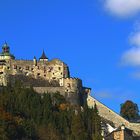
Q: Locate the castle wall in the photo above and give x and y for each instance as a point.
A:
(42, 90)
(73, 98)
(51, 70)
(56, 70)
(110, 115)
(72, 85)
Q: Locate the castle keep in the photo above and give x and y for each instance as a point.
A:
(45, 75)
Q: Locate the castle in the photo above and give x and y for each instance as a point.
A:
(47, 71)
(51, 76)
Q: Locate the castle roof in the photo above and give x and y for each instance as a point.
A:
(5, 45)
(6, 51)
(43, 56)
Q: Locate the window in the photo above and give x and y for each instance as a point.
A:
(59, 68)
(27, 67)
(68, 85)
(15, 67)
(38, 74)
(50, 69)
(1, 72)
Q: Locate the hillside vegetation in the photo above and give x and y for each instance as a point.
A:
(26, 115)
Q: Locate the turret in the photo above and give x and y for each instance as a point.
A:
(35, 61)
(5, 48)
(43, 57)
(5, 55)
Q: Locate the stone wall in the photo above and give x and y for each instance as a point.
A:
(73, 98)
(110, 115)
(50, 70)
(42, 90)
(31, 81)
(72, 84)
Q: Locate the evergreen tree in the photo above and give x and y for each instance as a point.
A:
(96, 124)
(77, 127)
(24, 114)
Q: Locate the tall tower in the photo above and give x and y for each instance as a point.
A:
(5, 55)
(5, 48)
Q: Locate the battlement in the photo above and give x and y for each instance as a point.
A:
(73, 79)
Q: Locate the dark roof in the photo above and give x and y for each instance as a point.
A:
(5, 45)
(43, 56)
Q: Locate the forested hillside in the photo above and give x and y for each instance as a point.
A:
(26, 115)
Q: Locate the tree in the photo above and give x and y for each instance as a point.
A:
(77, 127)
(24, 114)
(48, 132)
(96, 124)
(129, 111)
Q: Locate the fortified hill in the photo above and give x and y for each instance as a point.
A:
(51, 76)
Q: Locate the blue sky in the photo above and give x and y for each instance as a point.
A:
(98, 39)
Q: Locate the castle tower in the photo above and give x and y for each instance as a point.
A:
(43, 57)
(5, 48)
(5, 55)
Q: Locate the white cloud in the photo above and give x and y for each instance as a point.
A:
(123, 8)
(135, 39)
(132, 57)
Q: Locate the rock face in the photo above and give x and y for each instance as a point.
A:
(110, 115)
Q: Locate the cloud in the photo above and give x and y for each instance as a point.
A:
(122, 8)
(135, 39)
(131, 57)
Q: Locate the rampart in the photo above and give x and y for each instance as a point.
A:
(73, 98)
(72, 84)
(110, 115)
(42, 90)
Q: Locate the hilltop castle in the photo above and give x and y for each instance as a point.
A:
(53, 75)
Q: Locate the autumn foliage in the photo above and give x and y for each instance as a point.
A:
(129, 111)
